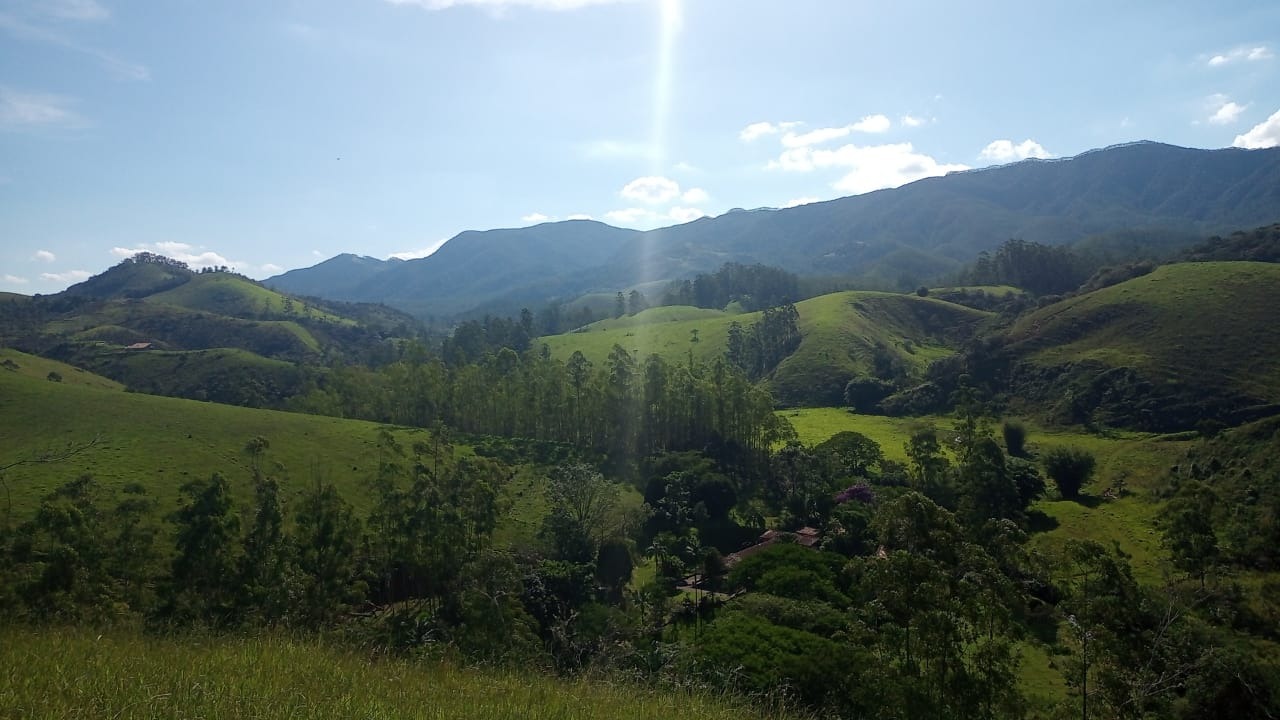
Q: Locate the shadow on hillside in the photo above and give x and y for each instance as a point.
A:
(1089, 501)
(1038, 522)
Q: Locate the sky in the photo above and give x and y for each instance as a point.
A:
(272, 135)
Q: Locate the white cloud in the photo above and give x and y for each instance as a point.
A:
(872, 124)
(652, 190)
(84, 10)
(754, 131)
(69, 276)
(579, 216)
(1265, 134)
(694, 196)
(1005, 151)
(500, 5)
(1248, 54)
(685, 167)
(26, 110)
(44, 256)
(271, 268)
(870, 167)
(797, 202)
(415, 254)
(868, 124)
(912, 121)
(534, 218)
(317, 253)
(815, 137)
(1227, 113)
(685, 214)
(195, 257)
(15, 280)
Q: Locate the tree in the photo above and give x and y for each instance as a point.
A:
(1070, 469)
(582, 505)
(1188, 530)
(207, 536)
(619, 305)
(327, 537)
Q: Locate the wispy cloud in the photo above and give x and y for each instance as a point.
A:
(646, 218)
(20, 110)
(421, 253)
(534, 218)
(81, 10)
(70, 276)
(19, 28)
(1245, 54)
(1265, 134)
(500, 5)
(44, 256)
(15, 280)
(652, 190)
(870, 124)
(1006, 151)
(755, 131)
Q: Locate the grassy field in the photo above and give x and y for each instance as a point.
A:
(1203, 326)
(38, 368)
(839, 333)
(164, 442)
(70, 674)
(227, 294)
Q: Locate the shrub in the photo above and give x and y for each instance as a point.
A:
(1015, 438)
(1070, 469)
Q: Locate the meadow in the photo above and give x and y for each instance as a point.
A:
(121, 674)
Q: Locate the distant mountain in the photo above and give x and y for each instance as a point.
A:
(533, 264)
(337, 278)
(888, 238)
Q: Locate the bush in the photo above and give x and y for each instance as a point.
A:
(1070, 469)
(1015, 438)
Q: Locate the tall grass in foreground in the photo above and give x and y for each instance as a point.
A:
(77, 674)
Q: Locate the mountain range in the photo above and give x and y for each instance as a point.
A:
(891, 238)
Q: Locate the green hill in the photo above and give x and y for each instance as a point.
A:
(235, 296)
(841, 336)
(163, 442)
(38, 368)
(1185, 343)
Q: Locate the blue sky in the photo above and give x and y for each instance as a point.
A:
(272, 135)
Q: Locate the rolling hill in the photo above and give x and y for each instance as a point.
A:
(841, 334)
(156, 326)
(888, 238)
(1185, 343)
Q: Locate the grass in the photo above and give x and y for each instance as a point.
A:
(163, 442)
(76, 674)
(227, 294)
(1209, 327)
(840, 333)
(38, 368)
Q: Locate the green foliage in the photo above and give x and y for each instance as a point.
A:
(207, 536)
(327, 538)
(1069, 468)
(755, 287)
(1015, 438)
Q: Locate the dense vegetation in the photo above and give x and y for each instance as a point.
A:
(577, 506)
